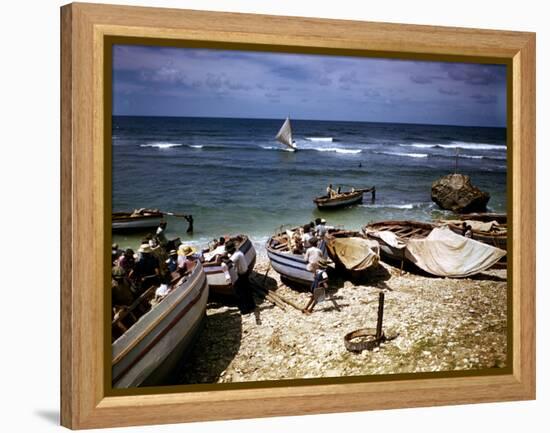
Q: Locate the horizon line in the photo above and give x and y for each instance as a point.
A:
(314, 120)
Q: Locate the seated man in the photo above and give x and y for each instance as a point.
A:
(120, 288)
(307, 236)
(172, 261)
(330, 192)
(186, 259)
(146, 271)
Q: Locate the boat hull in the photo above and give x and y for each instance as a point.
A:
(221, 279)
(139, 223)
(339, 202)
(148, 352)
(290, 266)
(499, 241)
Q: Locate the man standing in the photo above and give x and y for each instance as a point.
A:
(242, 285)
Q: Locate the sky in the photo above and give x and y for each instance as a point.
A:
(160, 81)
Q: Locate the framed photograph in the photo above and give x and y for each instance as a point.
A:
(265, 216)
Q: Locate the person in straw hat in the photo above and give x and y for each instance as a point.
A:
(186, 258)
(146, 270)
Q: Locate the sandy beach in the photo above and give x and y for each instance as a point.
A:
(439, 324)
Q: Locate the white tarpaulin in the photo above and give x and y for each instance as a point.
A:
(446, 254)
(390, 238)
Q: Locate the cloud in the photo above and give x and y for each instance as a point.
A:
(484, 99)
(325, 81)
(474, 74)
(372, 93)
(446, 91)
(349, 78)
(295, 72)
(424, 79)
(221, 82)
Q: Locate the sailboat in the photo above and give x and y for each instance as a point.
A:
(284, 135)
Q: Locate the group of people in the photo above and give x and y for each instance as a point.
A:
(309, 240)
(157, 262)
(161, 262)
(331, 192)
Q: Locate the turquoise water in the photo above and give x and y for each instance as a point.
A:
(233, 177)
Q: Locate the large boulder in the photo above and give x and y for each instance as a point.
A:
(455, 192)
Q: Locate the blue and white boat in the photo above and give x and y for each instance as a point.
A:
(289, 265)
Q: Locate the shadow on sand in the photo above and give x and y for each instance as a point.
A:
(215, 348)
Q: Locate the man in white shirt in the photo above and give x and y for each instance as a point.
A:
(313, 255)
(242, 285)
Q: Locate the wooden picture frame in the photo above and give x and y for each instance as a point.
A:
(85, 211)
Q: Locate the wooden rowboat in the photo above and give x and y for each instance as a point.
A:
(344, 199)
(143, 220)
(403, 230)
(221, 278)
(151, 349)
(291, 266)
(497, 237)
(437, 250)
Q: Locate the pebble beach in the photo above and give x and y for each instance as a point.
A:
(433, 325)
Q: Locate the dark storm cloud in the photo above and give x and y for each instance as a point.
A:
(223, 83)
(451, 92)
(473, 74)
(484, 99)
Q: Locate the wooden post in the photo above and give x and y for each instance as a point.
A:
(380, 315)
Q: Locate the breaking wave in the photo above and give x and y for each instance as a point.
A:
(410, 155)
(457, 144)
(330, 139)
(161, 145)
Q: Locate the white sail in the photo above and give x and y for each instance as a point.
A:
(284, 135)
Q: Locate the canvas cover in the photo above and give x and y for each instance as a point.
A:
(355, 253)
(480, 226)
(389, 238)
(447, 254)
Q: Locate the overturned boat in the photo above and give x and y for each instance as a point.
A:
(343, 199)
(352, 251)
(438, 251)
(288, 265)
(138, 220)
(149, 351)
(221, 276)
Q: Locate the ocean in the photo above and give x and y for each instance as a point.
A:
(233, 177)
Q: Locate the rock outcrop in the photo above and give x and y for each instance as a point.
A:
(455, 192)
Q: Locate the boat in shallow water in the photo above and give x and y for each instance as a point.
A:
(150, 350)
(138, 220)
(343, 199)
(221, 277)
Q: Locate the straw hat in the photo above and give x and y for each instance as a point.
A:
(186, 250)
(323, 221)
